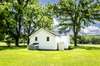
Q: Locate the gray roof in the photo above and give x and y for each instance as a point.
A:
(56, 33)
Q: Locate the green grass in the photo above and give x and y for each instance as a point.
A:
(81, 56)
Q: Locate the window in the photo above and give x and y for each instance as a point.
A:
(36, 38)
(48, 39)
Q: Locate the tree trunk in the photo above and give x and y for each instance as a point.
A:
(28, 40)
(18, 28)
(29, 29)
(75, 34)
(17, 41)
(75, 39)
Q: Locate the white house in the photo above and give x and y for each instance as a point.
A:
(49, 40)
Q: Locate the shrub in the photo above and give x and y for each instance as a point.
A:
(88, 39)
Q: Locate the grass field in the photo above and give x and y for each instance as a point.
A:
(81, 56)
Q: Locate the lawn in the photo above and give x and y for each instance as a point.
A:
(81, 56)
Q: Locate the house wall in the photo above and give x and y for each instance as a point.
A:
(42, 39)
(66, 40)
(63, 39)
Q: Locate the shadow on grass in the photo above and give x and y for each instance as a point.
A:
(70, 48)
(12, 47)
(88, 47)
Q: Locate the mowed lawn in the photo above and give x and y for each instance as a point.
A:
(82, 56)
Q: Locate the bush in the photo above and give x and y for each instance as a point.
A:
(2, 36)
(88, 39)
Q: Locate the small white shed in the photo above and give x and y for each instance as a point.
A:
(45, 39)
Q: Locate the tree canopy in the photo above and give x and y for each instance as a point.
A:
(76, 14)
(18, 18)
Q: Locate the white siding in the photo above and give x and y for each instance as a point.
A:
(63, 39)
(42, 40)
(54, 41)
(66, 40)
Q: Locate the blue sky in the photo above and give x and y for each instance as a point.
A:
(44, 2)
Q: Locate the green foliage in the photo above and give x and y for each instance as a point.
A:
(2, 36)
(19, 18)
(88, 39)
(36, 17)
(75, 14)
(4, 14)
(97, 12)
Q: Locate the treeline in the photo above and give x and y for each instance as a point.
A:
(19, 18)
(88, 39)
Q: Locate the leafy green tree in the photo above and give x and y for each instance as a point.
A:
(75, 14)
(19, 18)
(36, 17)
(16, 14)
(4, 14)
(30, 14)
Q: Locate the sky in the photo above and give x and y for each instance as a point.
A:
(44, 2)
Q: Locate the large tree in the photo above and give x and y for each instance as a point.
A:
(22, 17)
(17, 14)
(36, 17)
(75, 14)
(12, 18)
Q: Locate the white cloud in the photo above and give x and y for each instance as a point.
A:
(91, 30)
(55, 21)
